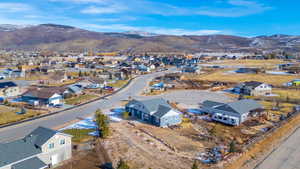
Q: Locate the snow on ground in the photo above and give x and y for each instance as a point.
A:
(278, 73)
(89, 123)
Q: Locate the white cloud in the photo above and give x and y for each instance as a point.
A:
(156, 30)
(14, 7)
(237, 8)
(104, 9)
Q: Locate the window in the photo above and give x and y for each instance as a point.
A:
(62, 141)
(51, 145)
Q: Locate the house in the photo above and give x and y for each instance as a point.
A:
(233, 113)
(9, 89)
(74, 89)
(154, 111)
(253, 88)
(42, 148)
(44, 96)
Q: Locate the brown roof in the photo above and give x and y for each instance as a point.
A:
(44, 93)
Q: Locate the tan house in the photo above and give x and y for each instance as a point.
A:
(9, 89)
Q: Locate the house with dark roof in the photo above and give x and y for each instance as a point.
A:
(44, 96)
(233, 113)
(42, 148)
(154, 111)
(9, 89)
(253, 88)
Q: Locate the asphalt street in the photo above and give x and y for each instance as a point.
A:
(286, 156)
(132, 90)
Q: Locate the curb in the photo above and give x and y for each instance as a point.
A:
(73, 107)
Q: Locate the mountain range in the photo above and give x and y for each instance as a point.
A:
(65, 38)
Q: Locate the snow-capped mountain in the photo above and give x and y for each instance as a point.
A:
(10, 27)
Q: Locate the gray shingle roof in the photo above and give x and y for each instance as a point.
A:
(252, 84)
(16, 150)
(40, 135)
(150, 105)
(32, 163)
(161, 111)
(210, 104)
(153, 104)
(241, 106)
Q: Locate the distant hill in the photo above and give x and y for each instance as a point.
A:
(61, 37)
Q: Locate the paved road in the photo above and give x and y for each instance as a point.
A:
(286, 156)
(134, 89)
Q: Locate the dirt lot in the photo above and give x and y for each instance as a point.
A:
(143, 151)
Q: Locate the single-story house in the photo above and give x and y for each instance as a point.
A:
(9, 89)
(233, 113)
(42, 148)
(253, 88)
(154, 111)
(44, 96)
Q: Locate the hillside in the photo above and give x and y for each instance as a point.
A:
(60, 37)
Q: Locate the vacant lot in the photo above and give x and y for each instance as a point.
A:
(79, 135)
(291, 94)
(251, 63)
(80, 99)
(8, 114)
(118, 84)
(220, 75)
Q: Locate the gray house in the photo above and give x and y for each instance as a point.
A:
(154, 111)
(253, 88)
(40, 149)
(233, 113)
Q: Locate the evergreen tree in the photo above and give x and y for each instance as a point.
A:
(232, 147)
(195, 165)
(102, 122)
(122, 165)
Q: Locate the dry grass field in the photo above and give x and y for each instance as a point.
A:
(292, 94)
(268, 64)
(8, 114)
(222, 76)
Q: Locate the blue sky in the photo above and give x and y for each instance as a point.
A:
(176, 17)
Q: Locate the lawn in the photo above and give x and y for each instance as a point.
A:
(80, 99)
(251, 63)
(79, 135)
(221, 75)
(118, 83)
(8, 114)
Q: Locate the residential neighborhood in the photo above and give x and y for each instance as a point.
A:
(149, 84)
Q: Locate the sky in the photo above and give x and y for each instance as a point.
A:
(175, 17)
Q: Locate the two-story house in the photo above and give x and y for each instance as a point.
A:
(233, 113)
(154, 111)
(253, 88)
(42, 148)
